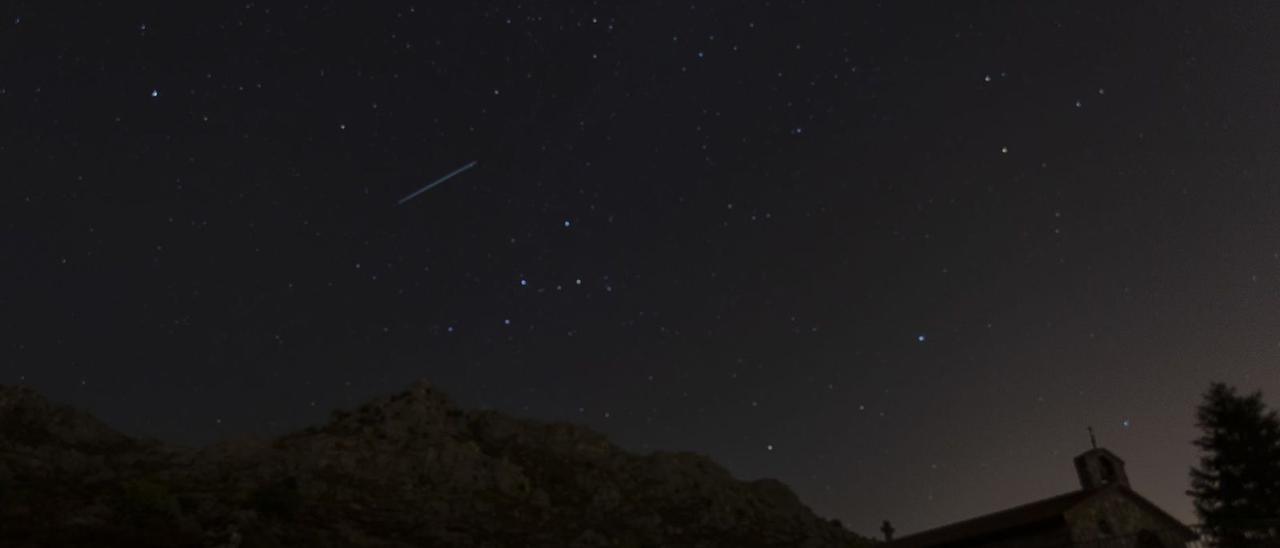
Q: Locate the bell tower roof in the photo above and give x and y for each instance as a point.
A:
(1099, 467)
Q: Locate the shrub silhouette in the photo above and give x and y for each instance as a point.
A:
(279, 499)
(144, 500)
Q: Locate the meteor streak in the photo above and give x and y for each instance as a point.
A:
(437, 181)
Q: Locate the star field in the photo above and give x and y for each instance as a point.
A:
(897, 256)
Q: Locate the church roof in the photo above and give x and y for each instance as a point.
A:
(1102, 451)
(1019, 518)
(1027, 515)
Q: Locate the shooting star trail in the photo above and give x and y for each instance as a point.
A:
(447, 176)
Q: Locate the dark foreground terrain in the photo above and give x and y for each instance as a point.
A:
(408, 470)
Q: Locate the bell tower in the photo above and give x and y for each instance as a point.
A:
(1098, 467)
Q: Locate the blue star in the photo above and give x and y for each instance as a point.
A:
(566, 223)
(155, 93)
(920, 338)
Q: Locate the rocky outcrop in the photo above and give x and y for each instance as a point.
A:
(406, 470)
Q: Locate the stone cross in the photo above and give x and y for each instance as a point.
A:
(887, 529)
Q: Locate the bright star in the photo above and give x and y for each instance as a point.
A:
(919, 338)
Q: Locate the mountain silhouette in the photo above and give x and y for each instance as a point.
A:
(411, 469)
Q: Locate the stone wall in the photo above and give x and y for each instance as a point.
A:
(1124, 518)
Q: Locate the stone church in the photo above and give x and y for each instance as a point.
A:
(1105, 512)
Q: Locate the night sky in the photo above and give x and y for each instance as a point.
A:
(898, 256)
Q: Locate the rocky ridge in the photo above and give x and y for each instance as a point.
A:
(410, 469)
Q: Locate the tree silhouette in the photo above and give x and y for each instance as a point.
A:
(1237, 483)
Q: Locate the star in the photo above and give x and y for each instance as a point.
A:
(920, 338)
(155, 93)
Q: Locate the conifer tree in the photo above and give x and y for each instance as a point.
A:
(1236, 486)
